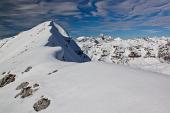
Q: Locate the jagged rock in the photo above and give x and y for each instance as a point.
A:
(41, 104)
(22, 85)
(25, 92)
(7, 79)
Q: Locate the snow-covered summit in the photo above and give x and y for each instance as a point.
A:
(46, 37)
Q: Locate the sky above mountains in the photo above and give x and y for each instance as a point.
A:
(123, 18)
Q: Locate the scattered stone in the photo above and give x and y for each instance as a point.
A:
(3, 73)
(41, 104)
(9, 72)
(22, 85)
(7, 79)
(36, 85)
(27, 69)
(53, 72)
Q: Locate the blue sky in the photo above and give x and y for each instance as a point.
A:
(124, 18)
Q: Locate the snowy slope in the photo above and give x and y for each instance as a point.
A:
(80, 88)
(74, 87)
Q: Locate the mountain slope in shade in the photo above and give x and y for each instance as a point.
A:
(73, 86)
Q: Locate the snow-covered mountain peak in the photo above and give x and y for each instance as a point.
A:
(39, 44)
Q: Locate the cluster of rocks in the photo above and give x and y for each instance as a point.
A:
(134, 52)
(164, 52)
(26, 90)
(149, 53)
(118, 55)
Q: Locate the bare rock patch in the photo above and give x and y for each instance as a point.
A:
(7, 79)
(41, 104)
(26, 90)
(27, 69)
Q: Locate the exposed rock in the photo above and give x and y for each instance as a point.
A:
(7, 79)
(149, 54)
(25, 92)
(41, 104)
(135, 52)
(134, 55)
(164, 52)
(36, 85)
(22, 85)
(27, 69)
(53, 72)
(9, 72)
(3, 73)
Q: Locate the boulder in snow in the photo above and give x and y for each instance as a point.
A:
(41, 104)
(7, 79)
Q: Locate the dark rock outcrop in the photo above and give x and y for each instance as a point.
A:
(41, 104)
(7, 79)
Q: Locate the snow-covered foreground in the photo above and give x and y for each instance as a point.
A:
(71, 85)
(92, 88)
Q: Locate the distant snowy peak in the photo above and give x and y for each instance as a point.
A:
(117, 50)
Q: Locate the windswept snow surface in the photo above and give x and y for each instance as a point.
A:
(76, 87)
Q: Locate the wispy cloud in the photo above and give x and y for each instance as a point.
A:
(90, 14)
